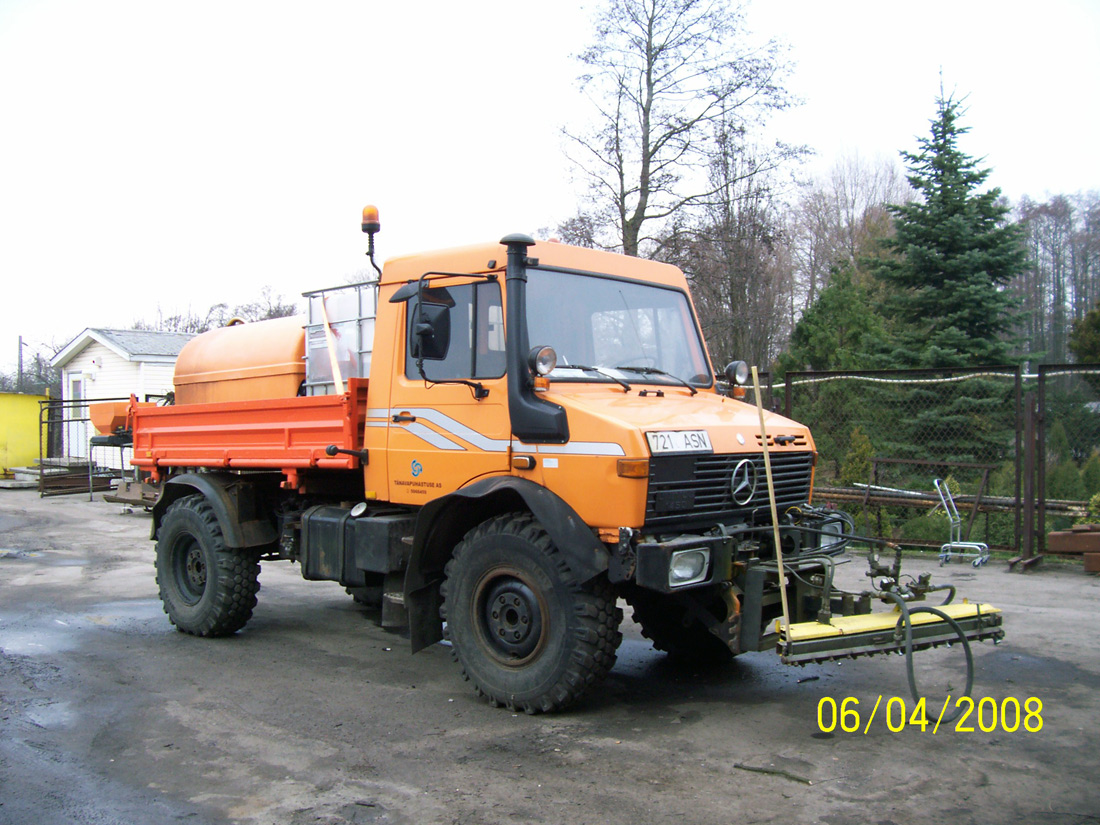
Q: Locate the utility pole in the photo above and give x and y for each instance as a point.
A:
(19, 375)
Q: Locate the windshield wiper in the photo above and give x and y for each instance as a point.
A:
(655, 371)
(619, 381)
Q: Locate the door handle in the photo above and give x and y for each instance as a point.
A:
(402, 418)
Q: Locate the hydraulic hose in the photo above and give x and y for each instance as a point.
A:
(906, 621)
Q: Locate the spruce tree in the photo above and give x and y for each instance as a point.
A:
(953, 255)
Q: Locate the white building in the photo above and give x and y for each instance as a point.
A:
(102, 364)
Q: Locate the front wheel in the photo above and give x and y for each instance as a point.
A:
(207, 589)
(672, 627)
(524, 631)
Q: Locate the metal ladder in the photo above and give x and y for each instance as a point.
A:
(956, 547)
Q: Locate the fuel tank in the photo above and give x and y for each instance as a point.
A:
(243, 362)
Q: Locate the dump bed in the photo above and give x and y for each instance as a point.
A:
(280, 434)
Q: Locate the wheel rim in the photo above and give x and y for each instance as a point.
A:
(190, 569)
(510, 615)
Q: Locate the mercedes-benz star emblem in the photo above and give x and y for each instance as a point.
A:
(743, 482)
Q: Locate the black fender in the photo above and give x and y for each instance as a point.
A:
(441, 524)
(239, 504)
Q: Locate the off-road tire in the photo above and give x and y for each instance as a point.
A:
(207, 589)
(550, 639)
(667, 623)
(370, 593)
(366, 596)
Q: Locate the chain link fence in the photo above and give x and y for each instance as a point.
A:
(1068, 448)
(883, 437)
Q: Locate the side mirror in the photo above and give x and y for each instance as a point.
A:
(431, 338)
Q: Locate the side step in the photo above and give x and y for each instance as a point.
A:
(850, 636)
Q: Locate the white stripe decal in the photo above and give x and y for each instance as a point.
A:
(583, 448)
(432, 437)
(483, 442)
(457, 428)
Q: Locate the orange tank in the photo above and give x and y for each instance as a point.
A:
(244, 362)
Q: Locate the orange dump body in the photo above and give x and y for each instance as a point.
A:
(244, 362)
(287, 434)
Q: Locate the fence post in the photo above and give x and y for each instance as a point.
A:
(1029, 557)
(1019, 399)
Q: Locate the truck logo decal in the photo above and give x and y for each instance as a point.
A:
(743, 481)
(417, 468)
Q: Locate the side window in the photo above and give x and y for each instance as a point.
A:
(477, 336)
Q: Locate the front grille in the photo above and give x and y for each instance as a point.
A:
(694, 490)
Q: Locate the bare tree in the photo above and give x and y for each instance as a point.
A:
(667, 78)
(1062, 280)
(269, 305)
(35, 375)
(736, 260)
(839, 218)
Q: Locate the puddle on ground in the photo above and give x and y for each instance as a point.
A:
(41, 556)
(11, 553)
(144, 615)
(52, 715)
(61, 632)
(38, 641)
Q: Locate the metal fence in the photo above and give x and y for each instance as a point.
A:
(1067, 445)
(884, 436)
(1021, 452)
(72, 460)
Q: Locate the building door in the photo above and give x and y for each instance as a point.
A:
(76, 419)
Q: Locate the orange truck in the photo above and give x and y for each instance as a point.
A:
(494, 444)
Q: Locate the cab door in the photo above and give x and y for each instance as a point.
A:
(448, 410)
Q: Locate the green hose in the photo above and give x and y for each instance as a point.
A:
(907, 621)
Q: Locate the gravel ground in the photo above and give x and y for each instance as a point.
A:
(314, 714)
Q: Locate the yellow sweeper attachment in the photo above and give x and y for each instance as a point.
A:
(912, 624)
(849, 636)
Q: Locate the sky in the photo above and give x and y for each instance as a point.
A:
(159, 157)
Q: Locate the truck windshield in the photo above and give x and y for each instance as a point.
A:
(628, 330)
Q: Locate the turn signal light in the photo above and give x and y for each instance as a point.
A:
(524, 462)
(633, 468)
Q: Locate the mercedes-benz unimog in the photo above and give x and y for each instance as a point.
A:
(495, 444)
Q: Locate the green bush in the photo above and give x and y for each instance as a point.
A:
(1090, 475)
(931, 527)
(1064, 483)
(1058, 449)
(856, 468)
(1093, 515)
(1002, 481)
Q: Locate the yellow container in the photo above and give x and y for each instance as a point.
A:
(19, 432)
(243, 362)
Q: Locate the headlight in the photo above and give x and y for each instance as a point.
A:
(737, 373)
(542, 360)
(688, 567)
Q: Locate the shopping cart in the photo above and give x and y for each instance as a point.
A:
(956, 548)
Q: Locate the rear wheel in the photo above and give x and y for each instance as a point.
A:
(207, 589)
(524, 631)
(369, 594)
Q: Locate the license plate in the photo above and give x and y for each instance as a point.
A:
(679, 441)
